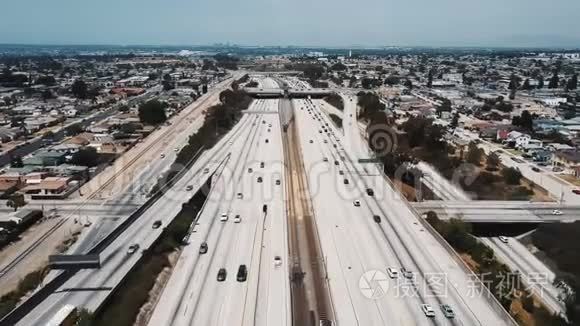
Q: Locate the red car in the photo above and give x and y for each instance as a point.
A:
(576, 191)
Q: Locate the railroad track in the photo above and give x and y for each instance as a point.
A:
(307, 269)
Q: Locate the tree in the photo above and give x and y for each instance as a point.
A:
(79, 89)
(526, 120)
(16, 201)
(454, 121)
(204, 89)
(526, 86)
(408, 84)
(511, 176)
(46, 95)
(74, 129)
(46, 80)
(391, 80)
(152, 112)
(492, 162)
(540, 82)
(514, 83)
(573, 82)
(338, 67)
(512, 94)
(474, 154)
(430, 79)
(554, 81)
(16, 162)
(87, 156)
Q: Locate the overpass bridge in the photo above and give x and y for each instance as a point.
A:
(287, 92)
(482, 211)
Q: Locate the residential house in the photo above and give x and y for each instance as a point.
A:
(568, 159)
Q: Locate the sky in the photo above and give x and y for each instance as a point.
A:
(341, 23)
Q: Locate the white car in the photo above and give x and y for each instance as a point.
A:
(407, 273)
(224, 217)
(277, 261)
(447, 311)
(428, 310)
(356, 203)
(240, 195)
(237, 219)
(556, 212)
(393, 273)
(503, 239)
(132, 249)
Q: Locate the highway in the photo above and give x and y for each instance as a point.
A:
(534, 273)
(500, 212)
(193, 295)
(118, 187)
(353, 243)
(89, 288)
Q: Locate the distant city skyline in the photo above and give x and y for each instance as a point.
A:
(331, 23)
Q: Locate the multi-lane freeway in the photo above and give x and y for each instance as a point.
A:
(243, 223)
(359, 247)
(365, 257)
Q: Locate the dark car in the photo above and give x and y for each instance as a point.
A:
(203, 248)
(345, 181)
(157, 224)
(377, 218)
(267, 140)
(535, 169)
(576, 191)
(221, 276)
(370, 192)
(242, 273)
(259, 179)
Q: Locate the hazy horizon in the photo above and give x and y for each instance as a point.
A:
(300, 23)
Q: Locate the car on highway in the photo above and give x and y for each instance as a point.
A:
(189, 188)
(278, 182)
(240, 195)
(393, 272)
(370, 192)
(270, 125)
(536, 169)
(133, 249)
(224, 217)
(242, 273)
(377, 218)
(557, 169)
(267, 141)
(356, 203)
(556, 212)
(576, 191)
(237, 218)
(259, 179)
(325, 141)
(176, 149)
(336, 163)
(503, 239)
(157, 224)
(345, 181)
(261, 164)
(250, 170)
(268, 129)
(406, 273)
(203, 248)
(341, 172)
(428, 310)
(162, 155)
(206, 171)
(311, 141)
(324, 159)
(277, 261)
(447, 311)
(221, 276)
